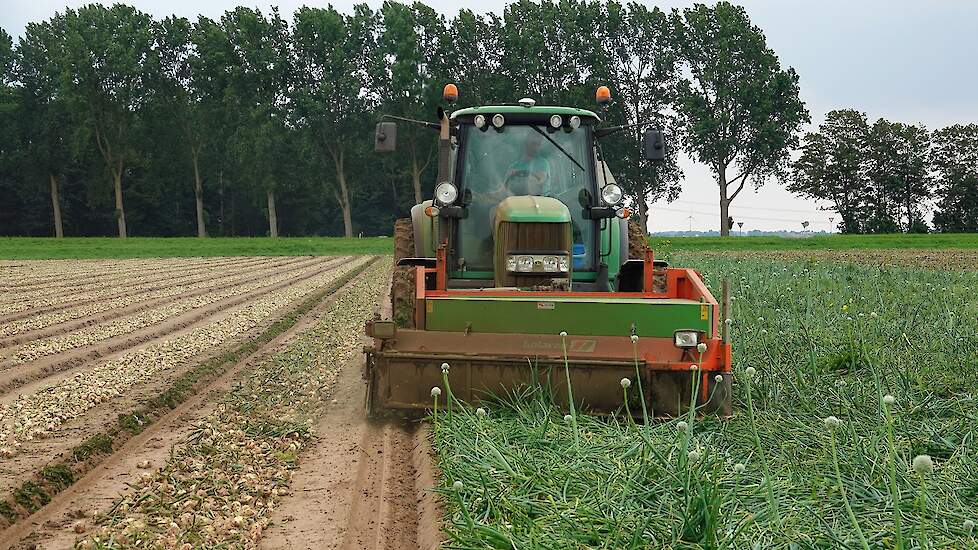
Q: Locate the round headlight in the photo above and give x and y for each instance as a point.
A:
(611, 194)
(498, 120)
(556, 121)
(480, 121)
(575, 122)
(446, 193)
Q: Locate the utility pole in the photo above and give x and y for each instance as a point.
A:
(690, 218)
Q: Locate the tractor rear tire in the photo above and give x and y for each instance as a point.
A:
(637, 241)
(402, 280)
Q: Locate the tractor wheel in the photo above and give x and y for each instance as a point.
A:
(402, 281)
(637, 243)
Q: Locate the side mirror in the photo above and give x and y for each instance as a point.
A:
(654, 145)
(584, 198)
(385, 137)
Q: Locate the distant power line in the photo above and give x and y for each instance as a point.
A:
(813, 210)
(735, 216)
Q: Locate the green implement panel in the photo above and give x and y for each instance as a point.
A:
(591, 315)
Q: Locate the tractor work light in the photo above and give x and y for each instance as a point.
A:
(498, 120)
(611, 194)
(537, 263)
(686, 339)
(575, 122)
(446, 193)
(556, 121)
(480, 121)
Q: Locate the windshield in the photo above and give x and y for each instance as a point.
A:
(522, 160)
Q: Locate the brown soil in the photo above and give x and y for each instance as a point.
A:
(60, 285)
(16, 376)
(165, 282)
(637, 242)
(363, 484)
(97, 489)
(72, 325)
(403, 285)
(36, 453)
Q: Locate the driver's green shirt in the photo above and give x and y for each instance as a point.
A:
(529, 176)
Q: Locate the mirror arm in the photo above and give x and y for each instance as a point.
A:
(611, 130)
(430, 125)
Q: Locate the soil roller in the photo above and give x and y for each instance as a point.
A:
(527, 238)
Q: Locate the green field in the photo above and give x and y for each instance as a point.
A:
(33, 248)
(27, 248)
(825, 340)
(817, 242)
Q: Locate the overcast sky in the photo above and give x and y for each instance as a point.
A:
(907, 61)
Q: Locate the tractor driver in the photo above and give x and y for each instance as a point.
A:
(529, 174)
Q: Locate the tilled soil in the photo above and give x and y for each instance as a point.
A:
(359, 484)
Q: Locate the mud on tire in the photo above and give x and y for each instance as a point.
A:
(637, 244)
(402, 281)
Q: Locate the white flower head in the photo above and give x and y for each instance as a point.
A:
(969, 526)
(728, 321)
(750, 372)
(435, 391)
(568, 418)
(695, 455)
(634, 338)
(832, 422)
(626, 383)
(694, 367)
(701, 347)
(739, 468)
(458, 485)
(889, 399)
(922, 464)
(873, 314)
(480, 412)
(682, 425)
(718, 378)
(444, 368)
(763, 332)
(563, 333)
(760, 319)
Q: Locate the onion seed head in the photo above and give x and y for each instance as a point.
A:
(435, 391)
(923, 464)
(625, 383)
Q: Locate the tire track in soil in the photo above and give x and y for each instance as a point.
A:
(17, 376)
(165, 282)
(50, 527)
(363, 484)
(71, 325)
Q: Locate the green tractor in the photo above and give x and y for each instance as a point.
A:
(525, 263)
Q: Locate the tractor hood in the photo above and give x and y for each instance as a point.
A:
(528, 209)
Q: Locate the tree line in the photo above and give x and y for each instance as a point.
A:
(252, 124)
(881, 177)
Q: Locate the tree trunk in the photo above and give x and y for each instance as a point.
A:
(198, 192)
(272, 216)
(56, 205)
(724, 203)
(416, 178)
(643, 213)
(120, 212)
(343, 196)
